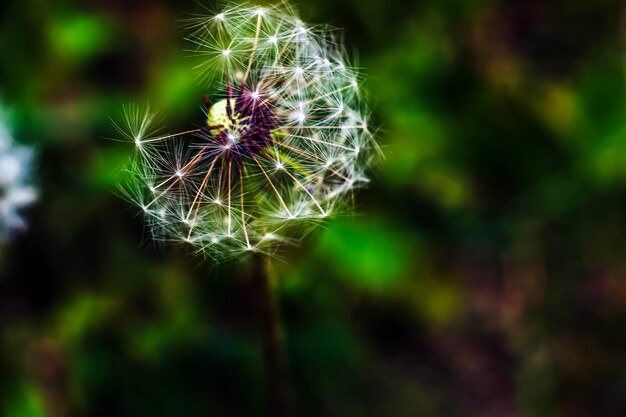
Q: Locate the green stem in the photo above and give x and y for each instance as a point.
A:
(273, 348)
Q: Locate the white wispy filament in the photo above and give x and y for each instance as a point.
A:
(285, 143)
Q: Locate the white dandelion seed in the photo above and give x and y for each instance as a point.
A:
(16, 190)
(285, 144)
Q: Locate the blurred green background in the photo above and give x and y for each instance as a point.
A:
(483, 273)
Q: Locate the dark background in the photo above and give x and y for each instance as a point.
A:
(482, 274)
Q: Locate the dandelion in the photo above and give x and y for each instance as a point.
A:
(284, 145)
(16, 192)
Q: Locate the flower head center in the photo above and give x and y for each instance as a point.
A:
(242, 122)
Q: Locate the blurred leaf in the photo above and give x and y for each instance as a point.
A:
(79, 36)
(107, 169)
(435, 298)
(27, 402)
(176, 91)
(369, 253)
(82, 314)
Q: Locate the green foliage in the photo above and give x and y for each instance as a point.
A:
(78, 37)
(369, 254)
(25, 402)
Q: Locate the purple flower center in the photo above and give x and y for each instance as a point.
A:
(242, 122)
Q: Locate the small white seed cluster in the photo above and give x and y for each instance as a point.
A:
(16, 190)
(227, 191)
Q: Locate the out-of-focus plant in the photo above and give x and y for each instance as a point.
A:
(285, 143)
(16, 190)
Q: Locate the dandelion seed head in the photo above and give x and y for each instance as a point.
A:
(281, 149)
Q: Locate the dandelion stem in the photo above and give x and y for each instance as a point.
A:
(276, 372)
